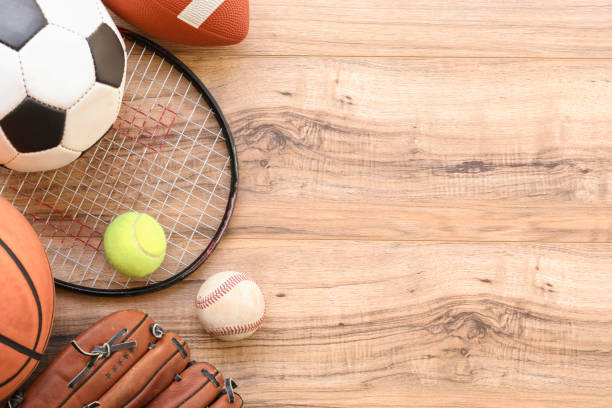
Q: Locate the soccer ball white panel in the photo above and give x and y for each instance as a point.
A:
(58, 67)
(7, 151)
(44, 160)
(12, 89)
(91, 117)
(81, 16)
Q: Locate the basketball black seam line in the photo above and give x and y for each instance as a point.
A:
(20, 348)
(154, 375)
(127, 336)
(26, 276)
(11, 378)
(30, 283)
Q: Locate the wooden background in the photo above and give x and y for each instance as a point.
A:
(425, 198)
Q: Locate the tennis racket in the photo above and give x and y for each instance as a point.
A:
(170, 154)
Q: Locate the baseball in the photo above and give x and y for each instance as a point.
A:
(230, 306)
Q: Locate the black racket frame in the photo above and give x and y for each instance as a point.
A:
(229, 209)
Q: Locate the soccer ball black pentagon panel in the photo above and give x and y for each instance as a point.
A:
(62, 72)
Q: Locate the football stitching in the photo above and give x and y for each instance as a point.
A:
(95, 80)
(121, 91)
(91, 87)
(72, 31)
(121, 87)
(67, 28)
(25, 88)
(90, 90)
(9, 161)
(68, 148)
(87, 92)
(99, 12)
(36, 33)
(25, 84)
(43, 13)
(234, 330)
(13, 147)
(108, 20)
(221, 290)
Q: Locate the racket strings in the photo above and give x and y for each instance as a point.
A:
(166, 155)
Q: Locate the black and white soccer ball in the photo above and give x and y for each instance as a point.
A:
(62, 72)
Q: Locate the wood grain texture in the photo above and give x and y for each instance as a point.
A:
(419, 149)
(402, 324)
(495, 28)
(430, 228)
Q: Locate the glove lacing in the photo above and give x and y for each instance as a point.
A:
(230, 384)
(16, 400)
(97, 352)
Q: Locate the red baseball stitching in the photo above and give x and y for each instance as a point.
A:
(240, 329)
(222, 290)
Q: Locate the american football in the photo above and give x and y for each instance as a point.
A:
(191, 22)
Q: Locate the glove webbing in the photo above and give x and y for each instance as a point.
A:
(97, 352)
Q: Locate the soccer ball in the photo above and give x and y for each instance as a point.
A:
(62, 72)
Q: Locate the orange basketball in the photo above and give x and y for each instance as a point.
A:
(28, 297)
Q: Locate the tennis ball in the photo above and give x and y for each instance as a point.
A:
(135, 244)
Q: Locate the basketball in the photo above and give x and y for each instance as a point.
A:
(28, 298)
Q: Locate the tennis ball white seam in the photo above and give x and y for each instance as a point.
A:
(138, 243)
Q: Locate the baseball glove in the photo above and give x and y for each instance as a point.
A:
(127, 360)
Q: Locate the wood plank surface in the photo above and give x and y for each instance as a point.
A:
(425, 199)
(466, 28)
(450, 149)
(380, 324)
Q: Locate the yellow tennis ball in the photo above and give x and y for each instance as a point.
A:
(135, 244)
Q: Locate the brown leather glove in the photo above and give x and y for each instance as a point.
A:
(149, 376)
(126, 360)
(196, 387)
(93, 362)
(228, 398)
(200, 385)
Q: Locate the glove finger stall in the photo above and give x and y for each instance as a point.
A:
(97, 358)
(150, 375)
(196, 387)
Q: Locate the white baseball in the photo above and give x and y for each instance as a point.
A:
(230, 306)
